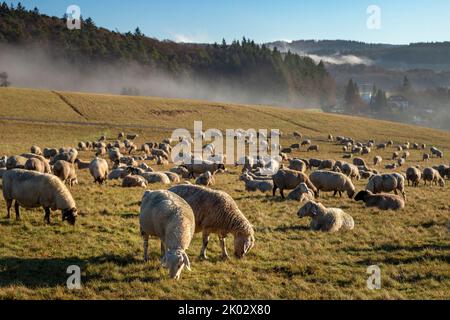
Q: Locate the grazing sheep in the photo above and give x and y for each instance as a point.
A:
(359, 162)
(413, 175)
(173, 177)
(253, 185)
(99, 170)
(377, 160)
(66, 172)
(406, 155)
(204, 166)
(297, 165)
(34, 164)
(31, 189)
(302, 193)
(351, 171)
(382, 201)
(306, 142)
(216, 212)
(326, 219)
(382, 146)
(390, 166)
(387, 183)
(425, 157)
(167, 216)
(132, 136)
(155, 177)
(401, 162)
(395, 155)
(365, 174)
(314, 163)
(327, 164)
(286, 179)
(297, 134)
(181, 171)
(313, 147)
(36, 150)
(82, 165)
(205, 179)
(432, 175)
(133, 182)
(329, 181)
(16, 162)
(119, 173)
(44, 162)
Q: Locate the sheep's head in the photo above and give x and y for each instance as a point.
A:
(351, 191)
(242, 244)
(175, 261)
(362, 195)
(441, 182)
(70, 215)
(310, 209)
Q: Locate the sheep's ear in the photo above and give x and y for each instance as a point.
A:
(186, 261)
(247, 246)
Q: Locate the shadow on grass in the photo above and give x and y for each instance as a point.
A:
(284, 228)
(41, 272)
(393, 248)
(406, 260)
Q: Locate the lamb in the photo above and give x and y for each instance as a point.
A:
(382, 201)
(31, 189)
(413, 175)
(252, 184)
(202, 167)
(156, 177)
(286, 179)
(328, 181)
(34, 164)
(216, 212)
(16, 162)
(167, 216)
(301, 193)
(313, 147)
(432, 175)
(99, 170)
(205, 179)
(326, 219)
(387, 183)
(36, 150)
(133, 182)
(377, 160)
(66, 172)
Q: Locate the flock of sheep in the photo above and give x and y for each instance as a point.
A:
(39, 179)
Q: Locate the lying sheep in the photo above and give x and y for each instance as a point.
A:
(253, 185)
(173, 177)
(413, 175)
(133, 182)
(286, 179)
(31, 189)
(359, 162)
(66, 172)
(327, 164)
(329, 181)
(432, 175)
(204, 166)
(382, 201)
(205, 179)
(326, 219)
(36, 150)
(167, 216)
(156, 177)
(119, 173)
(99, 170)
(216, 212)
(181, 171)
(302, 193)
(387, 183)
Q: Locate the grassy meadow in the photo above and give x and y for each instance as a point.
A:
(412, 247)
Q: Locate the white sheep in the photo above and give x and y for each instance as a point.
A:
(99, 170)
(326, 219)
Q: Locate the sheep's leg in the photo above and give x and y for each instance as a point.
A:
(8, 208)
(282, 194)
(340, 194)
(274, 190)
(205, 244)
(145, 237)
(224, 248)
(16, 208)
(47, 215)
(163, 249)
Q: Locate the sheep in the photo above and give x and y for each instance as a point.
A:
(382, 146)
(66, 172)
(167, 216)
(377, 160)
(301, 193)
(413, 175)
(357, 150)
(119, 173)
(390, 166)
(16, 162)
(351, 171)
(297, 165)
(328, 181)
(160, 161)
(132, 136)
(44, 162)
(359, 162)
(366, 150)
(295, 146)
(382, 201)
(395, 155)
(425, 157)
(31, 189)
(313, 147)
(327, 164)
(36, 150)
(82, 165)
(286, 179)
(297, 134)
(365, 174)
(347, 156)
(401, 162)
(387, 183)
(181, 171)
(406, 155)
(34, 164)
(306, 142)
(202, 167)
(155, 177)
(160, 153)
(330, 137)
(314, 163)
(216, 212)
(173, 177)
(287, 150)
(114, 154)
(82, 146)
(326, 219)
(432, 175)
(99, 170)
(205, 179)
(100, 152)
(133, 182)
(252, 184)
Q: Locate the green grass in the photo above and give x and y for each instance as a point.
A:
(412, 247)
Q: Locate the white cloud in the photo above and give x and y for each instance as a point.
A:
(189, 38)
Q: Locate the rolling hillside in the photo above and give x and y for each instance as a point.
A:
(412, 247)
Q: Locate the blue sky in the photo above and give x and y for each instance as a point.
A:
(402, 21)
